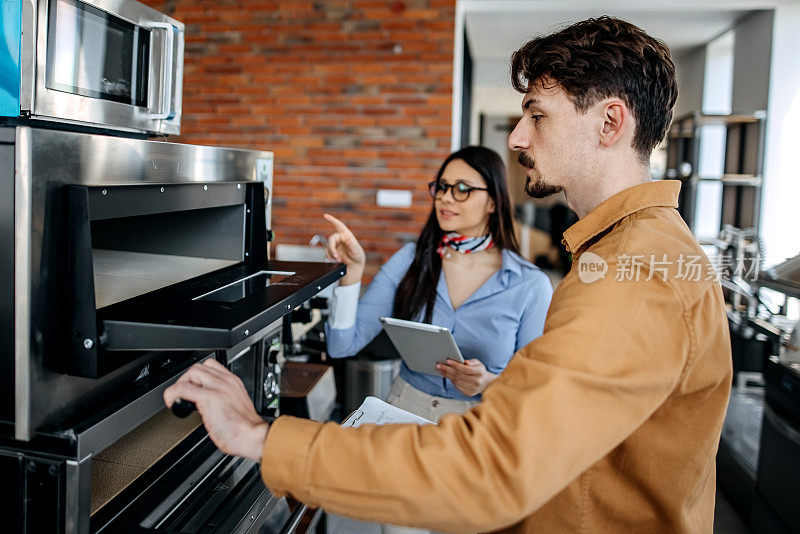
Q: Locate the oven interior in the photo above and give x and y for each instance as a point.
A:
(135, 255)
(119, 465)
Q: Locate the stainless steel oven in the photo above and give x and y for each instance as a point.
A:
(122, 262)
(111, 64)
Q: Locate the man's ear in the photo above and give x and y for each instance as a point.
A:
(616, 120)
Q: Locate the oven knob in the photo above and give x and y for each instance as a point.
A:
(269, 383)
(272, 383)
(183, 408)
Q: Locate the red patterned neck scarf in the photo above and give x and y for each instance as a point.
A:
(464, 244)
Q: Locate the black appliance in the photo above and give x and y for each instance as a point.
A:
(776, 503)
(777, 498)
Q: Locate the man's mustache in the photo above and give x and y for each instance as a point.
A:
(525, 161)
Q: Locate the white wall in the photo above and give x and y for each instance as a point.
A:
(780, 227)
(718, 79)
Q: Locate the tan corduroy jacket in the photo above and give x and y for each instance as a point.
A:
(609, 422)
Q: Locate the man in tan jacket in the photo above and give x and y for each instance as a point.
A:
(610, 421)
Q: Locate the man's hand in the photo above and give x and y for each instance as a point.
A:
(470, 377)
(227, 411)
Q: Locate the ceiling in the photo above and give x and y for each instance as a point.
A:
(496, 35)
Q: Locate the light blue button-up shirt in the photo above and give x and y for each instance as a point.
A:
(503, 315)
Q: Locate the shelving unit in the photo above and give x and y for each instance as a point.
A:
(742, 174)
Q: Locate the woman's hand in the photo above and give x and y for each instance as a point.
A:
(344, 247)
(470, 377)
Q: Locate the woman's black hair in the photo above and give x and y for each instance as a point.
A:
(417, 288)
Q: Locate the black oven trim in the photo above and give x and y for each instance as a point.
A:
(80, 298)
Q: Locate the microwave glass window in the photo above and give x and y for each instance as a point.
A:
(92, 53)
(245, 287)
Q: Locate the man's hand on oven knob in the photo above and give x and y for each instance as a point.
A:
(227, 411)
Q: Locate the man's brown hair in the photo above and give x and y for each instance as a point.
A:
(600, 58)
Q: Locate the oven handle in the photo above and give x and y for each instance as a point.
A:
(294, 519)
(168, 64)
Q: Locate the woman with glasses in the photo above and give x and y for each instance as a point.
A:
(464, 272)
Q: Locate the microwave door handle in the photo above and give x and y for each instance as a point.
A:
(167, 93)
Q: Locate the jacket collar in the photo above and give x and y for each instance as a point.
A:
(662, 193)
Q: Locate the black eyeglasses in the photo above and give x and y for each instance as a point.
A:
(460, 190)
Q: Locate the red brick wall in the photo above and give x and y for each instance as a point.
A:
(351, 95)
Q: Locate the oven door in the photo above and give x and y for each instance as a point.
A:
(173, 267)
(114, 64)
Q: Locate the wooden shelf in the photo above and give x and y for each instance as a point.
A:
(705, 119)
(733, 179)
(740, 174)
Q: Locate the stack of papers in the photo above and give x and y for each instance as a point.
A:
(377, 412)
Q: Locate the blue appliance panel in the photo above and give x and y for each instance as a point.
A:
(10, 41)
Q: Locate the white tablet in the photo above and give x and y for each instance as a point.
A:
(421, 345)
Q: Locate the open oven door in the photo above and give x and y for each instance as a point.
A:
(173, 267)
(216, 311)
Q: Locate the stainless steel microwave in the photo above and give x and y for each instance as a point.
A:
(110, 64)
